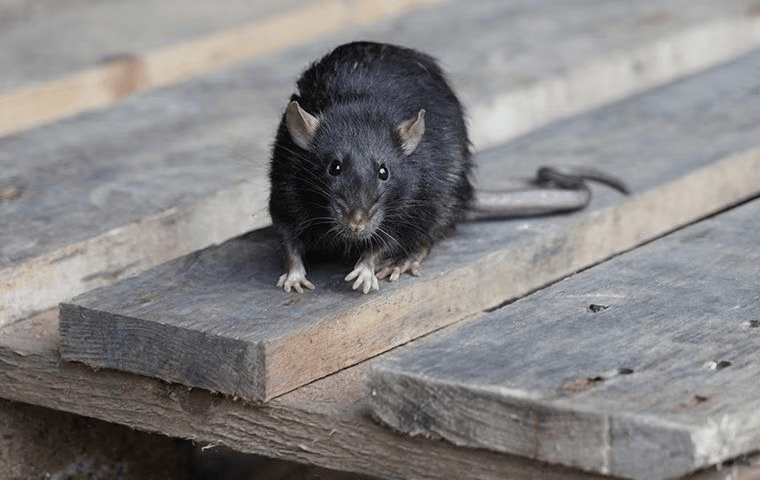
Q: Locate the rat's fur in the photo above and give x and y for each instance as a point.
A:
(374, 110)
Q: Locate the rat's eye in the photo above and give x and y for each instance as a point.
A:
(335, 168)
(382, 173)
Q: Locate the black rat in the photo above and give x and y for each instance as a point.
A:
(372, 162)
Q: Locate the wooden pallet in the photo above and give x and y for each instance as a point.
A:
(214, 319)
(213, 133)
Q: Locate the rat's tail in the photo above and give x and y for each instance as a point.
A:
(558, 190)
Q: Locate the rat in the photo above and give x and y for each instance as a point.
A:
(372, 161)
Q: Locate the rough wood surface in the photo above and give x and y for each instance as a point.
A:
(116, 76)
(45, 41)
(214, 319)
(325, 423)
(109, 193)
(64, 58)
(643, 367)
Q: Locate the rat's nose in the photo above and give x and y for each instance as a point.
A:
(357, 221)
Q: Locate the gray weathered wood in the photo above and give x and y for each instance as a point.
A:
(214, 319)
(325, 423)
(234, 34)
(45, 42)
(177, 169)
(53, 49)
(661, 380)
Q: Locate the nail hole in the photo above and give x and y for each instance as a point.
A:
(695, 401)
(586, 383)
(713, 365)
(594, 308)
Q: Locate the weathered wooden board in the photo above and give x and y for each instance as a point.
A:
(644, 367)
(325, 423)
(214, 319)
(101, 31)
(104, 195)
(56, 54)
(46, 41)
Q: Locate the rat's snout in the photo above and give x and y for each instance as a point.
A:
(357, 221)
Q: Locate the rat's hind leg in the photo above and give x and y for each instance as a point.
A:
(411, 263)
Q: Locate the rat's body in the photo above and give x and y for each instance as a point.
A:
(371, 162)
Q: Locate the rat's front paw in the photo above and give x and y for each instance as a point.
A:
(365, 277)
(295, 279)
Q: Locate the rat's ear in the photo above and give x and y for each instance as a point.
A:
(301, 125)
(411, 132)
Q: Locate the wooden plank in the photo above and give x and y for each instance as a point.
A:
(70, 45)
(181, 321)
(100, 85)
(326, 423)
(657, 380)
(165, 163)
(43, 42)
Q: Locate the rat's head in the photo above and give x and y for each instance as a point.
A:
(361, 161)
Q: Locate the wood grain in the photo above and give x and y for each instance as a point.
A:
(112, 192)
(326, 423)
(214, 319)
(166, 65)
(659, 379)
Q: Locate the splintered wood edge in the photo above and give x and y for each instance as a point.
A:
(431, 304)
(236, 369)
(543, 432)
(105, 84)
(658, 448)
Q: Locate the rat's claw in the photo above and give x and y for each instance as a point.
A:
(394, 270)
(365, 278)
(295, 280)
